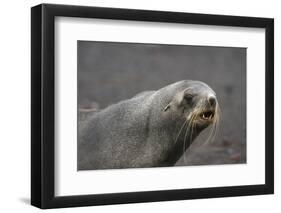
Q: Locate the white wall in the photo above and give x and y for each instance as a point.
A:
(15, 105)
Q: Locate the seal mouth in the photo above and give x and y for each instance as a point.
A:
(207, 115)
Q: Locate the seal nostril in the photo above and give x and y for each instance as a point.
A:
(212, 101)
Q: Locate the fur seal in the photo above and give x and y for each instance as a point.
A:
(152, 129)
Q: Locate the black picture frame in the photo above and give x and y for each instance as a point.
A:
(43, 102)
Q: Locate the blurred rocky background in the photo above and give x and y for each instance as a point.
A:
(109, 72)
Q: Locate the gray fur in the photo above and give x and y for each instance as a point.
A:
(138, 132)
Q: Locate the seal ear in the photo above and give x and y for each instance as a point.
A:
(166, 107)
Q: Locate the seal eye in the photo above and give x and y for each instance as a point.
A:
(188, 97)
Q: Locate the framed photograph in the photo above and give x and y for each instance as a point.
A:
(139, 106)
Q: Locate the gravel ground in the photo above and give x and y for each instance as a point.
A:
(110, 72)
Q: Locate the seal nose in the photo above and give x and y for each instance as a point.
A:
(212, 100)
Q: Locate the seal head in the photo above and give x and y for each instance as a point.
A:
(197, 104)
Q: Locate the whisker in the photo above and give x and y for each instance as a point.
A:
(218, 111)
(187, 128)
(180, 131)
(184, 145)
(192, 128)
(210, 135)
(214, 129)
